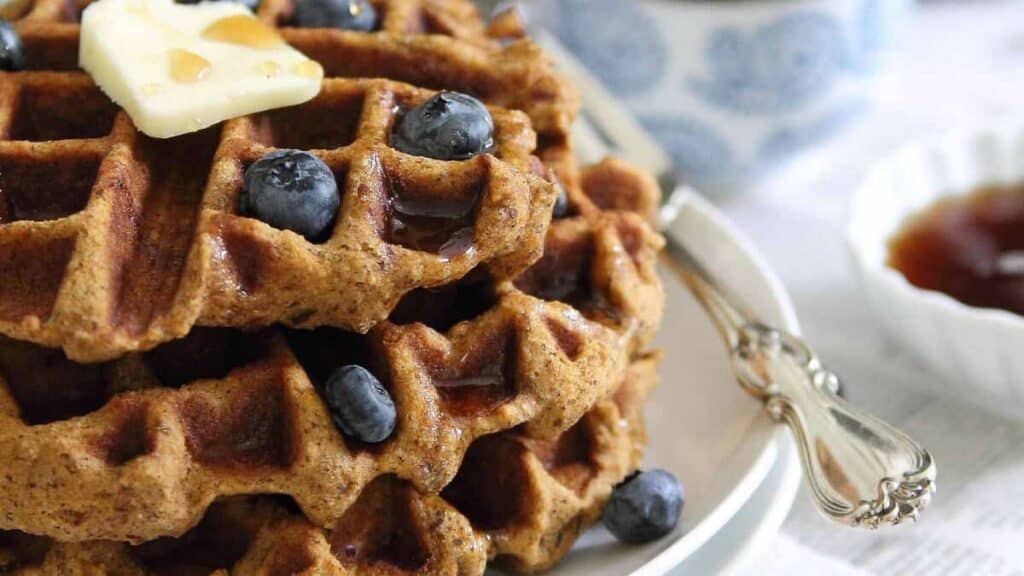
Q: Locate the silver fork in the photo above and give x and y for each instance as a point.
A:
(861, 471)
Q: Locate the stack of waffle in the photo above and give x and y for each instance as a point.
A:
(162, 357)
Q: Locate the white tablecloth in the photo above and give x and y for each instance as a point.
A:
(958, 64)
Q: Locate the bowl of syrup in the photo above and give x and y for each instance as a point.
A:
(937, 235)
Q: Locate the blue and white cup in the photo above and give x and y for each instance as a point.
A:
(731, 88)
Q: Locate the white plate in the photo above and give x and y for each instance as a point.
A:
(739, 542)
(703, 427)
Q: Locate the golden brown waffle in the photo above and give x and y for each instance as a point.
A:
(533, 498)
(518, 500)
(391, 529)
(491, 369)
(536, 353)
(111, 247)
(437, 44)
(601, 258)
(121, 242)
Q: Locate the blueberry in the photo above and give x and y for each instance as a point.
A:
(561, 209)
(449, 126)
(645, 507)
(358, 15)
(12, 51)
(360, 406)
(252, 5)
(292, 190)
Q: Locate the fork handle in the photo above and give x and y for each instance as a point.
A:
(861, 471)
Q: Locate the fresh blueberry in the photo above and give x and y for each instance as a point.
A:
(449, 126)
(360, 406)
(12, 51)
(358, 15)
(561, 209)
(252, 5)
(292, 190)
(645, 507)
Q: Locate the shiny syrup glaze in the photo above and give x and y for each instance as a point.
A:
(243, 31)
(188, 67)
(971, 248)
(441, 226)
(482, 379)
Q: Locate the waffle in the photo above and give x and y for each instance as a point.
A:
(137, 448)
(530, 523)
(111, 247)
(200, 441)
(436, 44)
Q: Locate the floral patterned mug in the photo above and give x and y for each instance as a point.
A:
(731, 88)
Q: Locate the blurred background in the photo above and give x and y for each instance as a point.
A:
(776, 110)
(735, 90)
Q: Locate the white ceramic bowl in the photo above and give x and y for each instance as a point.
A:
(731, 88)
(977, 353)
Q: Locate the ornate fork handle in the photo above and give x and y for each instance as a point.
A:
(861, 471)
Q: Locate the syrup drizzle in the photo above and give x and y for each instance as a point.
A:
(270, 68)
(244, 31)
(188, 67)
(434, 225)
(309, 69)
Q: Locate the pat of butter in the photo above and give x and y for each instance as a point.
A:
(179, 68)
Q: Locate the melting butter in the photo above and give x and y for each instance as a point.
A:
(187, 67)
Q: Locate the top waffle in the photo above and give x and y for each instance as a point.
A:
(112, 242)
(437, 44)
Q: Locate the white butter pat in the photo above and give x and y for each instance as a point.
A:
(179, 68)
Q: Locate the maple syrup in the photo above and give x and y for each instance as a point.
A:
(971, 248)
(188, 67)
(442, 226)
(309, 69)
(244, 31)
(270, 68)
